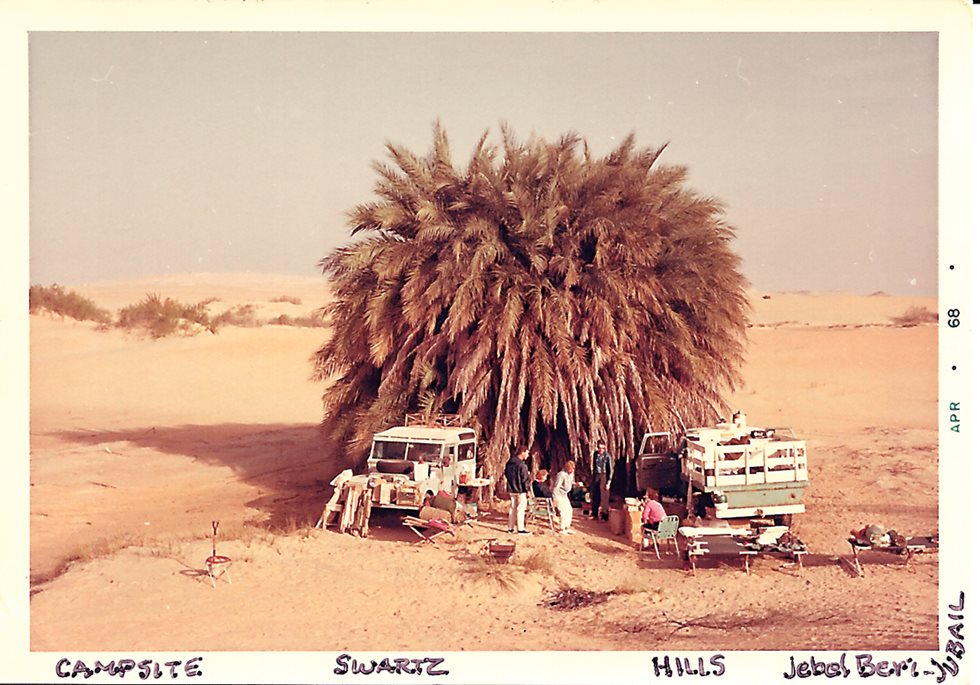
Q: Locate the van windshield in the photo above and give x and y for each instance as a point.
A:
(413, 451)
(424, 451)
(388, 450)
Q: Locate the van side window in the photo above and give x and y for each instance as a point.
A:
(466, 451)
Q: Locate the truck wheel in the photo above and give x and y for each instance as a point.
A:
(702, 504)
(783, 520)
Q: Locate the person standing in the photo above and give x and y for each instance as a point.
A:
(564, 482)
(601, 479)
(518, 484)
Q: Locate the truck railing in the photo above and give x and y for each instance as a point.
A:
(442, 420)
(783, 462)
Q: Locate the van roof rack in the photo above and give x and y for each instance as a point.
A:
(443, 420)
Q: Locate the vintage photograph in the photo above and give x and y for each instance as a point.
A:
(418, 342)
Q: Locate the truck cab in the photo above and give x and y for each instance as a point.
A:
(411, 463)
(729, 470)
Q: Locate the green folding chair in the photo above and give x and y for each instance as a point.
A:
(666, 530)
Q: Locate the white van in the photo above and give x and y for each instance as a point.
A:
(411, 463)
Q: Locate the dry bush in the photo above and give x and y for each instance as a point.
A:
(313, 320)
(293, 525)
(243, 316)
(485, 568)
(569, 598)
(163, 317)
(287, 299)
(635, 585)
(57, 300)
(915, 316)
(539, 561)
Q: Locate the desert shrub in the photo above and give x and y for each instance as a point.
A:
(293, 525)
(540, 561)
(242, 315)
(498, 576)
(310, 321)
(57, 300)
(163, 317)
(915, 316)
(287, 299)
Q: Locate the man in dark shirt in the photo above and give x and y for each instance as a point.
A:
(518, 484)
(601, 479)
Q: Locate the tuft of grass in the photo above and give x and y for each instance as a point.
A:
(57, 300)
(313, 320)
(540, 561)
(915, 316)
(634, 585)
(243, 315)
(162, 317)
(88, 552)
(292, 525)
(286, 299)
(500, 575)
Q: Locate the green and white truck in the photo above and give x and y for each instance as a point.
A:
(729, 470)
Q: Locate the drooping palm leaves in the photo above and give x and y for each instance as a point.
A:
(549, 297)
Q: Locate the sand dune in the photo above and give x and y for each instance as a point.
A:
(137, 445)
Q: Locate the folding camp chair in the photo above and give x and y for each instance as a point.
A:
(666, 530)
(428, 531)
(542, 508)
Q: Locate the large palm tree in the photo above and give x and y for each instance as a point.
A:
(550, 297)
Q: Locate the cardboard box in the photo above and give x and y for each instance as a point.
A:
(633, 525)
(617, 521)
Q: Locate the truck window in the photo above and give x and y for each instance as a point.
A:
(466, 451)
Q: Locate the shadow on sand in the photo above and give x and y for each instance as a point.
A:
(292, 464)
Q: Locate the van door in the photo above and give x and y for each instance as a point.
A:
(447, 480)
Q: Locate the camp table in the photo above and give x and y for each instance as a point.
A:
(914, 545)
(796, 553)
(717, 546)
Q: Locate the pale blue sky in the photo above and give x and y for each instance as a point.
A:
(155, 153)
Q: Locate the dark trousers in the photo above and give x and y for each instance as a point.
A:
(596, 491)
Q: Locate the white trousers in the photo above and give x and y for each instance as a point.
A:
(518, 507)
(564, 508)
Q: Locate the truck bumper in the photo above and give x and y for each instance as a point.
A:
(765, 500)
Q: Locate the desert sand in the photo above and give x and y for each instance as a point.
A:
(137, 445)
